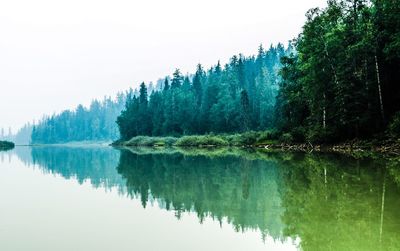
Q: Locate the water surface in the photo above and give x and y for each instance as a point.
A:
(100, 198)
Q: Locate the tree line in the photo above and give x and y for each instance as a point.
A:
(239, 96)
(97, 122)
(342, 82)
(21, 137)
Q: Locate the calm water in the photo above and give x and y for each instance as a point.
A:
(100, 198)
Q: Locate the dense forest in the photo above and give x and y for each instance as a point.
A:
(95, 123)
(343, 81)
(339, 82)
(237, 97)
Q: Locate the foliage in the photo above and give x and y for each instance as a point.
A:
(320, 135)
(235, 98)
(151, 141)
(244, 139)
(83, 124)
(6, 145)
(250, 138)
(203, 140)
(342, 81)
(286, 138)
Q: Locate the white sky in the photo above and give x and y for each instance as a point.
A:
(57, 54)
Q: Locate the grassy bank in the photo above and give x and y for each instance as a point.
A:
(6, 145)
(244, 139)
(266, 140)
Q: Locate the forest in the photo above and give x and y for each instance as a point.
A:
(337, 81)
(237, 97)
(96, 123)
(342, 82)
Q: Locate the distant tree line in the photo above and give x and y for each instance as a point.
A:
(343, 82)
(21, 137)
(83, 124)
(237, 97)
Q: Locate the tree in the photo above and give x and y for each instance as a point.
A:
(166, 84)
(177, 79)
(245, 110)
(197, 83)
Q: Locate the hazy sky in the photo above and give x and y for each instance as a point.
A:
(57, 54)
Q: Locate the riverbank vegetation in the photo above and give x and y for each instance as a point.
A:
(251, 138)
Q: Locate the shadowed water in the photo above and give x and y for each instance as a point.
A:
(86, 198)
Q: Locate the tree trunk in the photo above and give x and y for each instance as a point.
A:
(367, 83)
(379, 88)
(324, 113)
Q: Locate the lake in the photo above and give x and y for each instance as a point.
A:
(101, 198)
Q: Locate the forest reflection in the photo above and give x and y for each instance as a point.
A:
(327, 201)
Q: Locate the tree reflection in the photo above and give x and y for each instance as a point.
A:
(355, 206)
(242, 191)
(327, 201)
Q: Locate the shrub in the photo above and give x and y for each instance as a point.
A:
(206, 140)
(187, 141)
(233, 140)
(6, 145)
(249, 138)
(286, 138)
(169, 141)
(151, 141)
(213, 140)
(268, 136)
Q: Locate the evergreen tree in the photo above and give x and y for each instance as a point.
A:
(245, 110)
(96, 123)
(227, 99)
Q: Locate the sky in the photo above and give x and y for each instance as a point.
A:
(55, 55)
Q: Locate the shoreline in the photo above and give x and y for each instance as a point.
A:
(385, 147)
